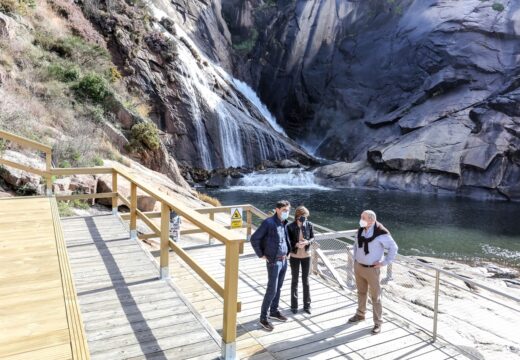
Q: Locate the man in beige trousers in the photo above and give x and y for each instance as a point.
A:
(372, 240)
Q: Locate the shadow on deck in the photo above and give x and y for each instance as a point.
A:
(127, 311)
(323, 335)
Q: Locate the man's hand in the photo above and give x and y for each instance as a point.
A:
(378, 264)
(263, 257)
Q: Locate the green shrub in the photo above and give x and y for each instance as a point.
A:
(71, 47)
(8, 6)
(92, 87)
(64, 164)
(64, 73)
(3, 146)
(114, 74)
(98, 161)
(248, 44)
(26, 190)
(498, 7)
(13, 6)
(80, 204)
(144, 135)
(64, 209)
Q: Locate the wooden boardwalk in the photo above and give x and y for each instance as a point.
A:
(39, 316)
(128, 312)
(323, 335)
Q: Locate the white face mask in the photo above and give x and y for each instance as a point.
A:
(285, 215)
(363, 223)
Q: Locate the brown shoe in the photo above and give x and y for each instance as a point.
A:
(376, 330)
(356, 318)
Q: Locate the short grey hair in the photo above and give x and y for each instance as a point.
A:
(371, 214)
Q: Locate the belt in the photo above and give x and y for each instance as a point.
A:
(367, 266)
(281, 257)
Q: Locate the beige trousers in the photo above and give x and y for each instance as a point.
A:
(368, 278)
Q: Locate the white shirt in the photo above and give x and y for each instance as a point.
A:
(376, 249)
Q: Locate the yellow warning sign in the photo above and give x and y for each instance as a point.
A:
(236, 218)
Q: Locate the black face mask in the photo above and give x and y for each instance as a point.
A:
(302, 219)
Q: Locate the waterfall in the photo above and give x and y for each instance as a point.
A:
(202, 141)
(243, 139)
(272, 180)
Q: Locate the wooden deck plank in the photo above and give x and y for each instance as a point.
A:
(323, 335)
(34, 303)
(128, 312)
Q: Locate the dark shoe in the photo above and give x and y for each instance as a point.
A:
(266, 325)
(294, 311)
(307, 310)
(376, 330)
(278, 316)
(355, 319)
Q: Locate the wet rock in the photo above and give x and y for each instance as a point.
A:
(382, 88)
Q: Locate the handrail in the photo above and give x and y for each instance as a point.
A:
(25, 141)
(34, 145)
(232, 241)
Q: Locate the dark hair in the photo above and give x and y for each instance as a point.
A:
(301, 211)
(282, 203)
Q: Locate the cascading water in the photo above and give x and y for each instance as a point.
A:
(243, 139)
(272, 180)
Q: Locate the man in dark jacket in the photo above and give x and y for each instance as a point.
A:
(271, 243)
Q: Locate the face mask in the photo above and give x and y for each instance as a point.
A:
(302, 219)
(363, 223)
(285, 215)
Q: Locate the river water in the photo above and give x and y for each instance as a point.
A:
(424, 225)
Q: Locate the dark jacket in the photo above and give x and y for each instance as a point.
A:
(265, 240)
(308, 234)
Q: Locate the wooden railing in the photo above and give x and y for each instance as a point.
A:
(47, 150)
(233, 241)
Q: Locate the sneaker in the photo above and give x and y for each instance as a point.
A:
(376, 330)
(294, 311)
(355, 319)
(266, 325)
(307, 310)
(278, 316)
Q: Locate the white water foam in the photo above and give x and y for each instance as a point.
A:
(266, 181)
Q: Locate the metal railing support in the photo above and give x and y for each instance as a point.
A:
(350, 268)
(212, 218)
(249, 219)
(436, 305)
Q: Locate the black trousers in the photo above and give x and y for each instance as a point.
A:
(305, 264)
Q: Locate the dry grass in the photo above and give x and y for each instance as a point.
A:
(208, 199)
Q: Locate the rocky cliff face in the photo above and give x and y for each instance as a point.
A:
(178, 56)
(416, 95)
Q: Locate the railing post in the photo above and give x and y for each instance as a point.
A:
(165, 238)
(389, 274)
(212, 218)
(350, 268)
(314, 258)
(229, 329)
(436, 305)
(249, 223)
(133, 211)
(48, 167)
(115, 199)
